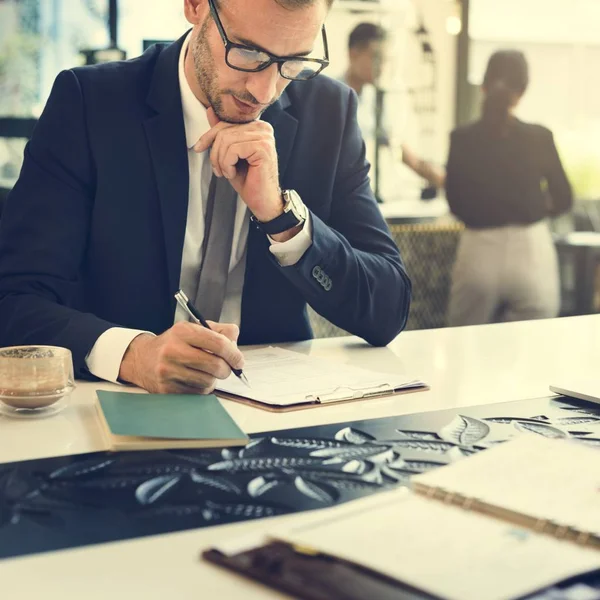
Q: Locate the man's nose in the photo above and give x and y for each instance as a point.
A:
(263, 84)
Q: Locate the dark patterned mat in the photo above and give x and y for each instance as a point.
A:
(65, 502)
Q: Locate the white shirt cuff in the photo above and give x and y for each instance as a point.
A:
(290, 252)
(104, 359)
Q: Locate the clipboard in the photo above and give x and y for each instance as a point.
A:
(312, 576)
(327, 399)
(284, 381)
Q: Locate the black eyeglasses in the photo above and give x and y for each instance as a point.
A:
(251, 60)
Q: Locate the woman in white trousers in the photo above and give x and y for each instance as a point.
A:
(504, 180)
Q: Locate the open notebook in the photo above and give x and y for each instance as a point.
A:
(502, 524)
(132, 421)
(286, 380)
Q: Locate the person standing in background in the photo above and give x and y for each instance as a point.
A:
(504, 179)
(366, 58)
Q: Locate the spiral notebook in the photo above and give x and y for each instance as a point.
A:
(505, 523)
(282, 380)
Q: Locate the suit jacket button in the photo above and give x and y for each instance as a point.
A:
(317, 272)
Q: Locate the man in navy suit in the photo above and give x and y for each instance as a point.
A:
(109, 216)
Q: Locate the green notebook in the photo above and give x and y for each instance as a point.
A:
(159, 421)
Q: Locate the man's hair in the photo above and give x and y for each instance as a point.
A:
(364, 33)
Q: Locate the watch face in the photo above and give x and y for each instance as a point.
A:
(297, 206)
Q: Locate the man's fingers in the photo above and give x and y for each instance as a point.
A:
(207, 140)
(185, 386)
(211, 341)
(229, 330)
(255, 153)
(214, 156)
(232, 147)
(256, 129)
(202, 364)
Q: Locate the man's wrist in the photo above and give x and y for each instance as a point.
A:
(129, 370)
(289, 222)
(271, 209)
(286, 235)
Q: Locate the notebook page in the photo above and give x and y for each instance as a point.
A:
(442, 549)
(283, 378)
(554, 480)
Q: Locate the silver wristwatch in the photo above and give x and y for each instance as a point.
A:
(294, 214)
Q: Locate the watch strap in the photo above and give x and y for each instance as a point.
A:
(289, 219)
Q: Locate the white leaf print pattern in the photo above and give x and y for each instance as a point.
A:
(578, 420)
(464, 430)
(353, 436)
(215, 482)
(358, 467)
(150, 491)
(81, 468)
(313, 491)
(260, 486)
(540, 428)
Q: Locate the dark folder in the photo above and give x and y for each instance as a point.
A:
(313, 576)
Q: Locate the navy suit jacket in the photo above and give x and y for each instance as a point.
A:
(92, 234)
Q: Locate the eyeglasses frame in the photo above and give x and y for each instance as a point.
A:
(279, 60)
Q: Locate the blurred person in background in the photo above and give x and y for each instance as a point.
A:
(504, 180)
(366, 58)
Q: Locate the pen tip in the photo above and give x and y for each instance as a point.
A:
(245, 380)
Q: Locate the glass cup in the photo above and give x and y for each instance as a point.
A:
(35, 380)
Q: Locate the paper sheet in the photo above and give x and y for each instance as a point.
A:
(442, 549)
(548, 479)
(282, 378)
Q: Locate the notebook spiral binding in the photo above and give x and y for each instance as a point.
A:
(562, 532)
(565, 532)
(439, 493)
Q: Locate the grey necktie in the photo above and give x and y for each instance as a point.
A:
(221, 203)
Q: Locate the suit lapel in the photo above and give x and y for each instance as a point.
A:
(165, 132)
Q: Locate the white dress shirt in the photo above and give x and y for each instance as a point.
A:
(104, 360)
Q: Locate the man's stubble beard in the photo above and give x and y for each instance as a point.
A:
(206, 75)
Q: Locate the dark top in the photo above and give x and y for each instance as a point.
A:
(92, 233)
(515, 179)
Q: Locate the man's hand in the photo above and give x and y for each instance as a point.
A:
(246, 155)
(186, 359)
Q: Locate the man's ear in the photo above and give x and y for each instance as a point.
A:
(195, 10)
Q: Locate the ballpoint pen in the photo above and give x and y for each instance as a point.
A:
(193, 312)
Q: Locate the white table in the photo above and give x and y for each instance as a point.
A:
(463, 366)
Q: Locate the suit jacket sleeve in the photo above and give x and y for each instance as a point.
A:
(44, 230)
(353, 274)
